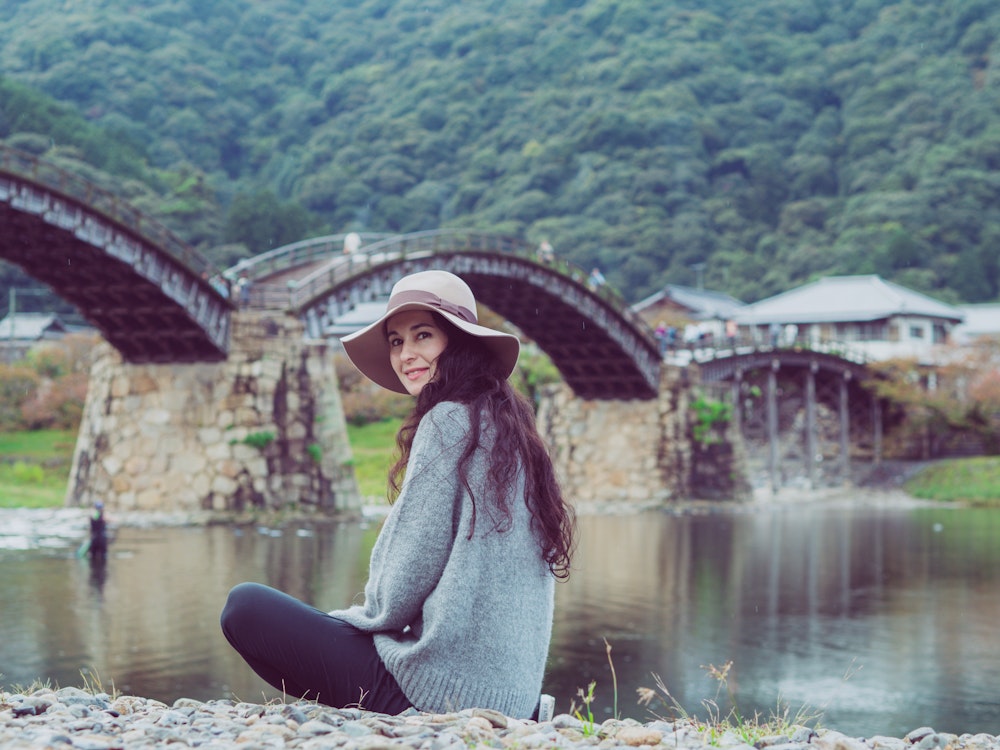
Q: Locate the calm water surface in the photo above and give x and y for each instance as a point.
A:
(879, 620)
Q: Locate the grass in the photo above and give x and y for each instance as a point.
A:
(91, 680)
(35, 468)
(373, 446)
(972, 480)
(38, 445)
(716, 726)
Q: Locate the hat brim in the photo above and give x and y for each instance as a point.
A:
(368, 348)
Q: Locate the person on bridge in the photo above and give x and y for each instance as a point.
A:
(458, 607)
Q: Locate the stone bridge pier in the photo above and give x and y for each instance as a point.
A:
(263, 429)
(641, 453)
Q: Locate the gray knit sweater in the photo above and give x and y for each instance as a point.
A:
(459, 622)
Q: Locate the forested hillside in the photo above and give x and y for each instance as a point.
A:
(770, 140)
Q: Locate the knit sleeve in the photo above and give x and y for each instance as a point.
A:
(415, 543)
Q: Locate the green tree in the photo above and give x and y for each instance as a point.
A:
(262, 222)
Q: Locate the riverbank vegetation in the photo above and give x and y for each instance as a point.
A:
(35, 467)
(973, 480)
(36, 463)
(720, 719)
(952, 409)
(373, 445)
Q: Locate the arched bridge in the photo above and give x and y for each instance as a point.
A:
(602, 349)
(804, 409)
(156, 300)
(148, 292)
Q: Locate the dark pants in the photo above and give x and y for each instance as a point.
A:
(306, 653)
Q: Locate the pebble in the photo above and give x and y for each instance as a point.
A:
(73, 719)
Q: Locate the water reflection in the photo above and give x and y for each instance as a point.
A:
(98, 574)
(881, 619)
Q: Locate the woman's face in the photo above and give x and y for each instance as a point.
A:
(415, 343)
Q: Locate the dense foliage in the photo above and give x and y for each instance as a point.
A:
(46, 390)
(770, 140)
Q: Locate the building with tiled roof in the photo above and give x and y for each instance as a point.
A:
(881, 319)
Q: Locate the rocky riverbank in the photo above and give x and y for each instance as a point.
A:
(74, 718)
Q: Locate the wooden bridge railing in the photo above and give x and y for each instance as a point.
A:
(296, 254)
(340, 267)
(79, 190)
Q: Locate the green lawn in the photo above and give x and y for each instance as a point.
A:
(374, 448)
(973, 480)
(34, 468)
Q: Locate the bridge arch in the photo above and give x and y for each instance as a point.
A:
(148, 292)
(801, 412)
(602, 349)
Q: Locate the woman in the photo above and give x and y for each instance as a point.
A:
(458, 605)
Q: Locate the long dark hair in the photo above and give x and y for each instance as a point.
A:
(467, 372)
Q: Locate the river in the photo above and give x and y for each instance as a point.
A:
(870, 617)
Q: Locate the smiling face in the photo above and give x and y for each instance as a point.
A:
(415, 343)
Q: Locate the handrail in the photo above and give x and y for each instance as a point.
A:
(432, 242)
(296, 254)
(21, 165)
(745, 345)
(73, 187)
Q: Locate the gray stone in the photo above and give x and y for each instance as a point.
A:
(97, 742)
(356, 729)
(935, 740)
(189, 703)
(803, 735)
(778, 739)
(495, 718)
(314, 727)
(173, 718)
(147, 724)
(293, 712)
(918, 734)
(880, 742)
(447, 741)
(566, 721)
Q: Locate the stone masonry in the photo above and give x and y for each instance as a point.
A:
(639, 453)
(264, 429)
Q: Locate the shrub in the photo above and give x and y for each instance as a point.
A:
(363, 401)
(28, 473)
(709, 414)
(17, 384)
(315, 451)
(55, 404)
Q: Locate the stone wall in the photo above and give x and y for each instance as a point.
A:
(639, 453)
(264, 429)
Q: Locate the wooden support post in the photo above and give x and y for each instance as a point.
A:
(845, 430)
(811, 424)
(737, 405)
(877, 430)
(772, 423)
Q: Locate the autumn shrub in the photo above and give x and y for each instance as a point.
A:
(934, 412)
(56, 404)
(49, 360)
(362, 400)
(47, 389)
(17, 384)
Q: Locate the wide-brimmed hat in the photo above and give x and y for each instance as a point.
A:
(437, 291)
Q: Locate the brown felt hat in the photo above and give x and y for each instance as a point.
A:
(437, 291)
